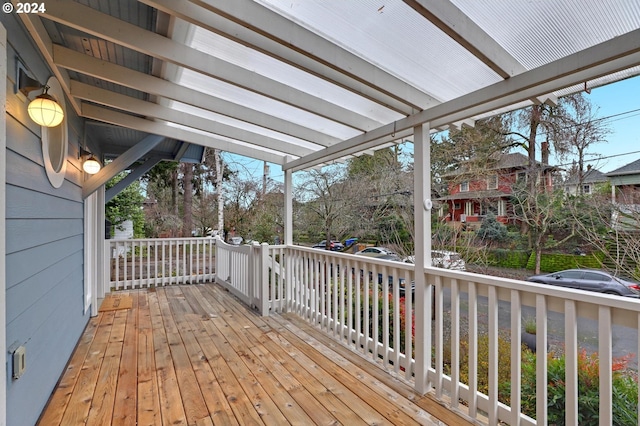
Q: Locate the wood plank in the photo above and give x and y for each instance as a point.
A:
(287, 405)
(194, 354)
(375, 393)
(325, 396)
(168, 389)
(267, 409)
(60, 399)
(425, 402)
(104, 396)
(148, 409)
(310, 404)
(80, 402)
(126, 399)
(242, 407)
(188, 326)
(328, 378)
(194, 406)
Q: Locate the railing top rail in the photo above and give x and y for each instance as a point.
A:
(580, 296)
(137, 240)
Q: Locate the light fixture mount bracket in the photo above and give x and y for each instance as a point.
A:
(27, 84)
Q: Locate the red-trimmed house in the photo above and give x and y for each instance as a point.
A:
(473, 192)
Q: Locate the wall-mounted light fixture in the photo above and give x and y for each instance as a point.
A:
(91, 165)
(43, 110)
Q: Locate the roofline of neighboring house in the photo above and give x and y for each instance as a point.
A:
(613, 174)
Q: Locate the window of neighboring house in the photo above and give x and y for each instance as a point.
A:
(456, 206)
(521, 177)
(464, 186)
(492, 182)
(586, 189)
(468, 208)
(502, 208)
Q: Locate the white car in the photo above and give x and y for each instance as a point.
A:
(443, 259)
(379, 252)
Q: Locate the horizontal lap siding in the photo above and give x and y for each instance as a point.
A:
(44, 246)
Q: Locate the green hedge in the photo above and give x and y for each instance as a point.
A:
(515, 259)
(553, 262)
(503, 258)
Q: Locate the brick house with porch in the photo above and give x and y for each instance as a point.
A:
(474, 192)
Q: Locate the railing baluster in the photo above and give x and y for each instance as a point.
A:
(164, 264)
(409, 327)
(516, 358)
(337, 295)
(473, 350)
(395, 297)
(439, 339)
(359, 311)
(606, 366)
(571, 361)
(455, 343)
(385, 316)
(493, 355)
(126, 266)
(541, 361)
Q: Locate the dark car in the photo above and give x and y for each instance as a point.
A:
(591, 280)
(333, 245)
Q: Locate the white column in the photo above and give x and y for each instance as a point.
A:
(613, 194)
(103, 262)
(422, 217)
(288, 236)
(3, 235)
(90, 245)
(288, 205)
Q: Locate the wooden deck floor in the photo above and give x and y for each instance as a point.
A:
(193, 355)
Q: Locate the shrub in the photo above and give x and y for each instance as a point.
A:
(504, 365)
(491, 229)
(625, 390)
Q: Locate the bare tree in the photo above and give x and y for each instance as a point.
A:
(542, 211)
(220, 190)
(324, 194)
(610, 229)
(583, 129)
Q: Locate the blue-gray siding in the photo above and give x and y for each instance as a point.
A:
(44, 242)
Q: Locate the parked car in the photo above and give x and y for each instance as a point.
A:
(333, 245)
(379, 252)
(443, 259)
(591, 280)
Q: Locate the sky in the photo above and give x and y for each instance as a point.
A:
(621, 102)
(617, 103)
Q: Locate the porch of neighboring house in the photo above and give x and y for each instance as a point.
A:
(193, 354)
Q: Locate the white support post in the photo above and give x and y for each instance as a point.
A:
(102, 255)
(263, 279)
(422, 217)
(288, 235)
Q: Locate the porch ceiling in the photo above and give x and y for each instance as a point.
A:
(308, 82)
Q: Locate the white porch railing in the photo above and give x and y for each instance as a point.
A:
(363, 303)
(139, 263)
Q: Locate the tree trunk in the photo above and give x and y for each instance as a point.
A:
(187, 184)
(538, 251)
(174, 192)
(219, 175)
